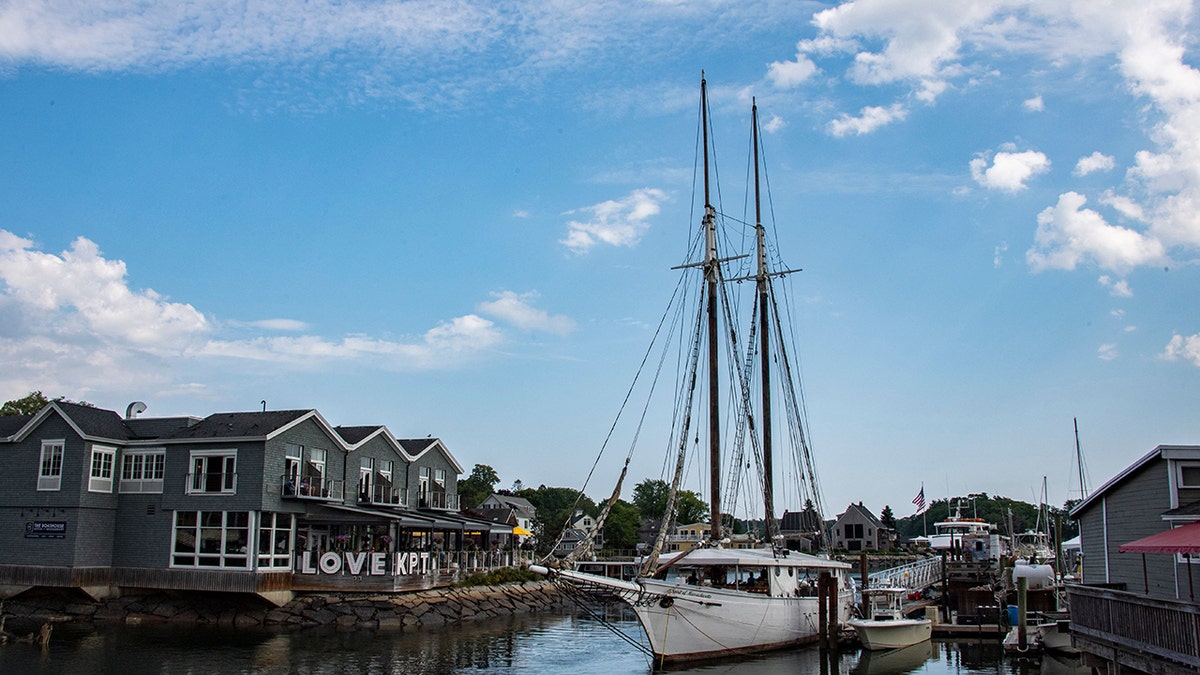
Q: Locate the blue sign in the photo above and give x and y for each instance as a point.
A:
(45, 529)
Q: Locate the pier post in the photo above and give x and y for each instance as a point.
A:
(822, 609)
(833, 612)
(1022, 585)
(862, 567)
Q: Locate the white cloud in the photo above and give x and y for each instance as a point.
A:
(71, 322)
(1118, 288)
(1097, 161)
(619, 222)
(869, 119)
(1068, 235)
(791, 74)
(1185, 348)
(517, 309)
(998, 255)
(1009, 170)
(931, 45)
(776, 123)
(1035, 104)
(1107, 352)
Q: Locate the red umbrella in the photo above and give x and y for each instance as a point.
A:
(1185, 540)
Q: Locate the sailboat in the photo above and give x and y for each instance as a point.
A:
(718, 600)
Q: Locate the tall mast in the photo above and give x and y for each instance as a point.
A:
(762, 284)
(711, 277)
(1079, 462)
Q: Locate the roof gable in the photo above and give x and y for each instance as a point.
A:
(1159, 452)
(88, 422)
(416, 447)
(241, 425)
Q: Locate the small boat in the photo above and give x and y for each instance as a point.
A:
(886, 627)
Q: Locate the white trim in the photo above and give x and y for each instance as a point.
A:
(228, 478)
(1104, 515)
(102, 483)
(51, 482)
(141, 484)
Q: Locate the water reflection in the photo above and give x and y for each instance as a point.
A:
(543, 643)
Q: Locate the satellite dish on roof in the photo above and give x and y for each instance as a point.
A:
(134, 409)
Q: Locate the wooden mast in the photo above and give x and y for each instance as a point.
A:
(711, 277)
(762, 285)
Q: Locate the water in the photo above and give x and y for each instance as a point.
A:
(554, 642)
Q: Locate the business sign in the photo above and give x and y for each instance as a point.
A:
(373, 564)
(45, 529)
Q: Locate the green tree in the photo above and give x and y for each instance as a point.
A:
(621, 526)
(555, 507)
(691, 509)
(31, 403)
(650, 498)
(887, 517)
(478, 486)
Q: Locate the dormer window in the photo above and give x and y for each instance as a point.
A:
(1189, 475)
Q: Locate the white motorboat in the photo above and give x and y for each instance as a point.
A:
(886, 627)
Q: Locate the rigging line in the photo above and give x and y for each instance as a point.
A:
(794, 411)
(620, 411)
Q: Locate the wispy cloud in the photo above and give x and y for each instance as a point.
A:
(616, 222)
(73, 317)
(869, 119)
(1183, 348)
(518, 310)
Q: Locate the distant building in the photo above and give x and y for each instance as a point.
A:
(857, 529)
(515, 511)
(802, 530)
(576, 533)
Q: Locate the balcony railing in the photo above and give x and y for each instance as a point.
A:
(445, 501)
(312, 487)
(383, 495)
(1135, 624)
(212, 483)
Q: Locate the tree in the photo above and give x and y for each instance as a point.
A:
(554, 510)
(32, 403)
(650, 498)
(621, 526)
(478, 486)
(887, 517)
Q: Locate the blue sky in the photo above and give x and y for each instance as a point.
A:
(457, 218)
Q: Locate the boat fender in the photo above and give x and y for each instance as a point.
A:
(666, 602)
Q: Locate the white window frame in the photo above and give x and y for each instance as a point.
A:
(142, 471)
(293, 455)
(316, 459)
(275, 529)
(101, 467)
(50, 473)
(240, 558)
(439, 477)
(202, 459)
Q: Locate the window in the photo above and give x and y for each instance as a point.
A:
(316, 466)
(423, 483)
(142, 471)
(275, 541)
(211, 539)
(293, 453)
(213, 472)
(385, 472)
(50, 471)
(1189, 475)
(101, 479)
(439, 477)
(365, 470)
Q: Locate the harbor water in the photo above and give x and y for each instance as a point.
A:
(547, 642)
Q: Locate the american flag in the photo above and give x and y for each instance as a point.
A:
(919, 500)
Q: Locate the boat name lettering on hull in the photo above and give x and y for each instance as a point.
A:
(374, 564)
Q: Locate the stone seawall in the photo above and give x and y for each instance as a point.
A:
(422, 609)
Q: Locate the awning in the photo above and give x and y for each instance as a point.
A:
(342, 514)
(518, 530)
(1184, 539)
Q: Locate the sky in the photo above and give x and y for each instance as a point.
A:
(458, 219)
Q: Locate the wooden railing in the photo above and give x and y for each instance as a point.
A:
(1167, 629)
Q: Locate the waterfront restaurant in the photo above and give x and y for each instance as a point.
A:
(266, 502)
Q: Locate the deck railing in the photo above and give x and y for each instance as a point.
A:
(913, 576)
(312, 487)
(1167, 629)
(384, 495)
